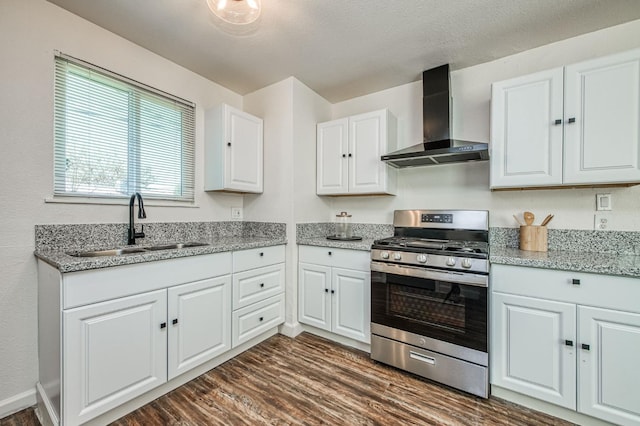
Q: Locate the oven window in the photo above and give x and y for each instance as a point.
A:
(451, 312)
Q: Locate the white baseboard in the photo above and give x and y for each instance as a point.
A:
(291, 329)
(17, 402)
(45, 411)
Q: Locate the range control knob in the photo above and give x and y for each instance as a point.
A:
(422, 258)
(397, 256)
(451, 261)
(384, 255)
(466, 263)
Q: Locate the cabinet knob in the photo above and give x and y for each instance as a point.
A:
(261, 285)
(329, 253)
(350, 155)
(326, 290)
(557, 122)
(568, 342)
(175, 321)
(228, 143)
(585, 347)
(261, 254)
(572, 120)
(261, 319)
(163, 325)
(333, 291)
(575, 281)
(344, 155)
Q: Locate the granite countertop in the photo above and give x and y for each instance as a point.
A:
(364, 244)
(64, 262)
(599, 263)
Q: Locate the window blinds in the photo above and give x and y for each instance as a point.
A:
(114, 136)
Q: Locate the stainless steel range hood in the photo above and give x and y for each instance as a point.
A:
(438, 147)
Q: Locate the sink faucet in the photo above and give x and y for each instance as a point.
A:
(141, 215)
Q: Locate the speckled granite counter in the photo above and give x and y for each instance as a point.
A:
(587, 252)
(315, 234)
(55, 242)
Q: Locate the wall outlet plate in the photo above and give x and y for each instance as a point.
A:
(236, 213)
(602, 222)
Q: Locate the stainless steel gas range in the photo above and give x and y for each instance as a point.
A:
(429, 292)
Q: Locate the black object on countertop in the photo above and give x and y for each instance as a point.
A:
(337, 238)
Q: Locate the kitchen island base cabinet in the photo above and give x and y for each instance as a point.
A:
(568, 338)
(333, 295)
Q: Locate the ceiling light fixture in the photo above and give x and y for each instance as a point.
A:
(236, 12)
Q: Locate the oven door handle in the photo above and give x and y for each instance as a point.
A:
(447, 276)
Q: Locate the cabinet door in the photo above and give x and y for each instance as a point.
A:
(112, 352)
(351, 304)
(199, 323)
(526, 130)
(609, 373)
(244, 151)
(313, 295)
(367, 143)
(602, 99)
(531, 353)
(331, 156)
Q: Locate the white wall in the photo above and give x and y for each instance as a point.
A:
(30, 31)
(466, 186)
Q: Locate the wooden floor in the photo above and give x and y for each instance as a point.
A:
(312, 381)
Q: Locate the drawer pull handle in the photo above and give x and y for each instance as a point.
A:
(575, 281)
(557, 122)
(163, 325)
(423, 358)
(175, 321)
(568, 342)
(261, 319)
(261, 284)
(585, 347)
(572, 120)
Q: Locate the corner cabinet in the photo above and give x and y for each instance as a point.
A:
(568, 338)
(349, 151)
(569, 126)
(233, 151)
(334, 291)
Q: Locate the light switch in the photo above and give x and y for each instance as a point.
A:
(603, 202)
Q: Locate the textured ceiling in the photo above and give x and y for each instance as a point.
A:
(347, 48)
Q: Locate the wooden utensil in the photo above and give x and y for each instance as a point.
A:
(546, 220)
(518, 220)
(529, 218)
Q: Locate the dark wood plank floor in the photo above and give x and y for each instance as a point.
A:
(312, 381)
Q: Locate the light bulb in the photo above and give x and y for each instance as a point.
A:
(236, 12)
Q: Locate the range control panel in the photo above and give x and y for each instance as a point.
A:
(437, 218)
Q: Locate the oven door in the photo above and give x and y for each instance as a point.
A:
(442, 305)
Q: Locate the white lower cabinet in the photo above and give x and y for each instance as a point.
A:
(199, 323)
(571, 339)
(258, 292)
(335, 290)
(112, 352)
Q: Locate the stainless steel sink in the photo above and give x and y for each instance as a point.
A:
(134, 250)
(175, 246)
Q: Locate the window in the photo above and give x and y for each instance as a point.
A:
(114, 136)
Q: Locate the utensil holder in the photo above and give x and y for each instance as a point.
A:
(533, 238)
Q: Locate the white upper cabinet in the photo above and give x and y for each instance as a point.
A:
(526, 142)
(602, 109)
(576, 125)
(349, 151)
(233, 151)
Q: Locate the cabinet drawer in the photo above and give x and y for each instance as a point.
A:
(257, 258)
(257, 284)
(606, 291)
(250, 321)
(342, 258)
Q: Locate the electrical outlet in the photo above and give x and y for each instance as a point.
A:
(236, 213)
(602, 222)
